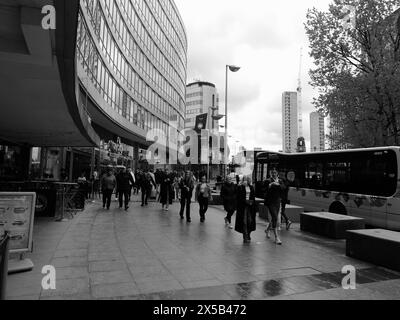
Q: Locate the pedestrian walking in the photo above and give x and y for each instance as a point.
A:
(124, 181)
(285, 201)
(136, 186)
(203, 195)
(131, 182)
(153, 193)
(166, 190)
(158, 177)
(177, 180)
(246, 212)
(95, 184)
(186, 186)
(83, 185)
(146, 185)
(229, 199)
(273, 199)
(108, 184)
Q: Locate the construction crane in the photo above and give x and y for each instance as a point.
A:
(300, 96)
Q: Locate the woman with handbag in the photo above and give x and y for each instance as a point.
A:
(203, 196)
(246, 211)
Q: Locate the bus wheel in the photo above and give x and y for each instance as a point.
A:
(338, 208)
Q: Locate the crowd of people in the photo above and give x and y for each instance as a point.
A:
(237, 194)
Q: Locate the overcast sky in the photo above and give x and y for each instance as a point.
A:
(263, 37)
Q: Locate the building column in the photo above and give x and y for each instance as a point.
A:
(136, 156)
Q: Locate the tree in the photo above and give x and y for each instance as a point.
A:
(357, 69)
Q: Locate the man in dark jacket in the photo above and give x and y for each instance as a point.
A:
(124, 181)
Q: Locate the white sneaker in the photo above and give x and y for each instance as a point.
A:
(278, 241)
(230, 226)
(268, 233)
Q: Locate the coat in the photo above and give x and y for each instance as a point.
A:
(285, 190)
(166, 189)
(145, 181)
(229, 196)
(124, 181)
(207, 192)
(244, 205)
(108, 182)
(273, 193)
(186, 187)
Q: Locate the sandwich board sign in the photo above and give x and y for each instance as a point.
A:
(17, 211)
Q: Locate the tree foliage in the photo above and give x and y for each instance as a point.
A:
(357, 70)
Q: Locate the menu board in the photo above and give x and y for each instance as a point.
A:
(17, 210)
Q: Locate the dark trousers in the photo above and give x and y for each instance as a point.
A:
(146, 192)
(123, 195)
(283, 210)
(229, 215)
(107, 194)
(185, 202)
(203, 202)
(273, 209)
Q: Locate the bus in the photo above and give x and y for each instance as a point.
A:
(361, 182)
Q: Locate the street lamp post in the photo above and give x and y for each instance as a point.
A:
(232, 69)
(214, 118)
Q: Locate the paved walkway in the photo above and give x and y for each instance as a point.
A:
(146, 253)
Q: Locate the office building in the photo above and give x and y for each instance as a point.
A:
(317, 132)
(86, 94)
(290, 121)
(201, 98)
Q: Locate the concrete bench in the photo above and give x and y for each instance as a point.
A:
(377, 246)
(329, 224)
(294, 212)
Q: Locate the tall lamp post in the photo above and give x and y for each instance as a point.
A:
(214, 117)
(232, 69)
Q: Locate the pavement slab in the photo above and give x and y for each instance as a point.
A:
(148, 254)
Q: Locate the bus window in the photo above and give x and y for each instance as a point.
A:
(374, 174)
(338, 176)
(314, 175)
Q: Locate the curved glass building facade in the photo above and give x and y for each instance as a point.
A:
(132, 57)
(85, 94)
